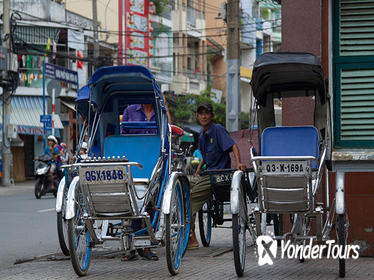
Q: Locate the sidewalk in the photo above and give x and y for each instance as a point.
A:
(215, 262)
(18, 187)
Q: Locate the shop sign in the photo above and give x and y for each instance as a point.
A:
(61, 73)
(135, 27)
(29, 130)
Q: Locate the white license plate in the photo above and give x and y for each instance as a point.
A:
(103, 175)
(285, 167)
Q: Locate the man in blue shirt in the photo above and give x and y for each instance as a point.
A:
(215, 144)
(139, 113)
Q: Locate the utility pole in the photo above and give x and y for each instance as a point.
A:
(6, 179)
(96, 37)
(233, 66)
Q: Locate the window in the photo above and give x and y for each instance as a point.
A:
(353, 64)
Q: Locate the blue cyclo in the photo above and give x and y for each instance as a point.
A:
(126, 178)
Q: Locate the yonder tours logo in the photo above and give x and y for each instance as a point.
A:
(267, 249)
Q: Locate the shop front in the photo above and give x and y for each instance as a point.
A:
(28, 141)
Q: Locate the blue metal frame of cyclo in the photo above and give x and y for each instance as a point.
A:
(127, 78)
(159, 200)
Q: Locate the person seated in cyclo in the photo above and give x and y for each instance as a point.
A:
(139, 113)
(215, 145)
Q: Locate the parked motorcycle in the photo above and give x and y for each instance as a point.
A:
(43, 179)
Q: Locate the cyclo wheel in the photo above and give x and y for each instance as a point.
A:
(205, 224)
(79, 238)
(174, 222)
(239, 228)
(62, 232)
(341, 234)
(187, 219)
(62, 225)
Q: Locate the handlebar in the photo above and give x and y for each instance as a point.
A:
(43, 158)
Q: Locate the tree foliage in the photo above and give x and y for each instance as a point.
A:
(183, 107)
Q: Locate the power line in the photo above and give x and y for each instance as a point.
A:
(117, 32)
(62, 54)
(119, 57)
(176, 37)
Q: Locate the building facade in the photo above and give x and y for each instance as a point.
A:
(340, 33)
(260, 32)
(43, 31)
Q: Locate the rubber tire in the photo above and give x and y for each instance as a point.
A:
(56, 183)
(239, 267)
(240, 248)
(205, 236)
(80, 271)
(340, 221)
(174, 268)
(38, 189)
(73, 254)
(61, 234)
(187, 220)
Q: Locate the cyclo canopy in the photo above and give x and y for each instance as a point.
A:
(287, 74)
(107, 93)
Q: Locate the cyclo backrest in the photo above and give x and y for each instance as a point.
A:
(144, 149)
(288, 193)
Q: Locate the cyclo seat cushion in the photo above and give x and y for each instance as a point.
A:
(144, 149)
(290, 141)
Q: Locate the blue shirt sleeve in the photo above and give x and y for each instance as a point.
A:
(125, 117)
(224, 138)
(47, 151)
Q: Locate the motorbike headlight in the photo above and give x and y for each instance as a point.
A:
(41, 171)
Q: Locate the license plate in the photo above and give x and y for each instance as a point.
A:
(285, 167)
(103, 175)
(142, 243)
(222, 179)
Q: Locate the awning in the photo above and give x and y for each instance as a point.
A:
(70, 105)
(25, 114)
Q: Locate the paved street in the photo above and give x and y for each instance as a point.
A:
(28, 225)
(215, 262)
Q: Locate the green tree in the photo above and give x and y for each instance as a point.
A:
(160, 6)
(183, 107)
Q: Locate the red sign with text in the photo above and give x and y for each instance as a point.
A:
(134, 28)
